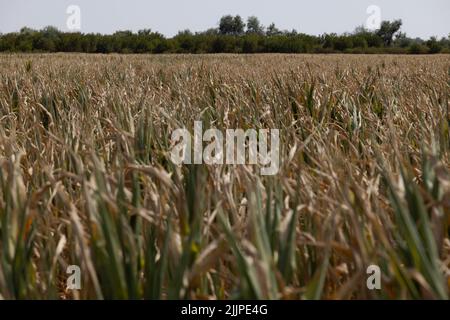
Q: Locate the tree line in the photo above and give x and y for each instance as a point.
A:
(232, 35)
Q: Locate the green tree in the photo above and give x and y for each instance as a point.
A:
(401, 40)
(238, 25)
(230, 25)
(434, 45)
(254, 26)
(388, 30)
(272, 30)
(185, 41)
(226, 25)
(417, 48)
(250, 44)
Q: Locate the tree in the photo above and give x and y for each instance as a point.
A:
(434, 45)
(401, 40)
(27, 31)
(211, 32)
(231, 26)
(185, 41)
(228, 37)
(226, 24)
(238, 25)
(46, 44)
(417, 48)
(272, 30)
(360, 30)
(254, 26)
(250, 44)
(341, 43)
(388, 30)
(359, 41)
(145, 32)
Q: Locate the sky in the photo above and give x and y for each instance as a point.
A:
(421, 18)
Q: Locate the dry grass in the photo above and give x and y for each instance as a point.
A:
(86, 177)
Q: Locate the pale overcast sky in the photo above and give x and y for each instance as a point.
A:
(421, 18)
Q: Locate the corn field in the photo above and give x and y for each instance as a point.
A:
(86, 177)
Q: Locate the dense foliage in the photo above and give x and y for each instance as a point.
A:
(232, 36)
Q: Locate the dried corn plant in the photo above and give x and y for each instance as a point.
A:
(86, 177)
